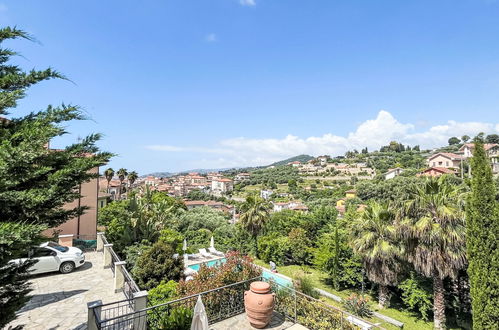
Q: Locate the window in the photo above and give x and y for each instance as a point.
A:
(42, 252)
(446, 163)
(58, 247)
(440, 163)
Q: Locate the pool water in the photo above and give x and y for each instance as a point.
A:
(276, 278)
(210, 263)
(268, 275)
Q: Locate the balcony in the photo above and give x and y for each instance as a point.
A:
(225, 310)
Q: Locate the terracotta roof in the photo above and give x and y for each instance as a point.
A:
(341, 209)
(223, 180)
(486, 146)
(440, 169)
(194, 202)
(449, 155)
(300, 207)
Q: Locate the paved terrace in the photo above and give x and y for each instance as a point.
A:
(59, 301)
(240, 322)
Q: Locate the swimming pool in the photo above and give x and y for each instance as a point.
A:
(279, 279)
(210, 263)
(266, 274)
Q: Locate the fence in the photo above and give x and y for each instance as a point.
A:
(85, 242)
(99, 314)
(129, 285)
(225, 302)
(123, 279)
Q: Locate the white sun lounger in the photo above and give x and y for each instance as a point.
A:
(204, 253)
(214, 251)
(193, 256)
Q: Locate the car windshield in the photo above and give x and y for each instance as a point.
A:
(58, 247)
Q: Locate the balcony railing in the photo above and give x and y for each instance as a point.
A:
(223, 303)
(129, 285)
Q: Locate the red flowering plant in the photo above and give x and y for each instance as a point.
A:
(358, 305)
(227, 301)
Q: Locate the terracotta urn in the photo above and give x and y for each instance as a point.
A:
(259, 304)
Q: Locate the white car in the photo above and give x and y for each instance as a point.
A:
(53, 257)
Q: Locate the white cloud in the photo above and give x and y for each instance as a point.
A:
(250, 3)
(212, 37)
(372, 133)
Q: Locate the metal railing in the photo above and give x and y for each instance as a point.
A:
(114, 258)
(225, 302)
(129, 285)
(114, 310)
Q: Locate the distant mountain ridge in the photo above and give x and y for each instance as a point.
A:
(196, 170)
(299, 158)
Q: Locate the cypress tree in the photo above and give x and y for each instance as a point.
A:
(35, 181)
(482, 226)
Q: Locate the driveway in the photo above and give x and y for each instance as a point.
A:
(59, 301)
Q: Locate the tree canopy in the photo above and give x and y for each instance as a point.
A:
(36, 182)
(482, 237)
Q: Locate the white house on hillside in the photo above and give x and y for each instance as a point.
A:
(393, 172)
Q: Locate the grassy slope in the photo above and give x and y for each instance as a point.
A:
(318, 278)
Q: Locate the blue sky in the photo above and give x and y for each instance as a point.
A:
(175, 85)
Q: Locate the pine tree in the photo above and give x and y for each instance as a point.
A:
(482, 225)
(35, 181)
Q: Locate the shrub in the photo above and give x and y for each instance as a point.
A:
(299, 247)
(309, 313)
(173, 238)
(358, 305)
(417, 295)
(133, 252)
(167, 317)
(304, 284)
(170, 318)
(237, 268)
(114, 210)
(164, 292)
(275, 248)
(156, 265)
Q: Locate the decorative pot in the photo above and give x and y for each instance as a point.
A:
(259, 304)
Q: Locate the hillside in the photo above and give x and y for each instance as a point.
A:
(299, 158)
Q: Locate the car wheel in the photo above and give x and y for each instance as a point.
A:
(67, 267)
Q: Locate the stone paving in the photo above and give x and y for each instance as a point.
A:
(59, 301)
(240, 322)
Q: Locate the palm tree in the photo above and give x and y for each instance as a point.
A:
(374, 239)
(132, 176)
(256, 212)
(109, 173)
(122, 173)
(433, 228)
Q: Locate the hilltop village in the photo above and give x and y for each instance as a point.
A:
(292, 184)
